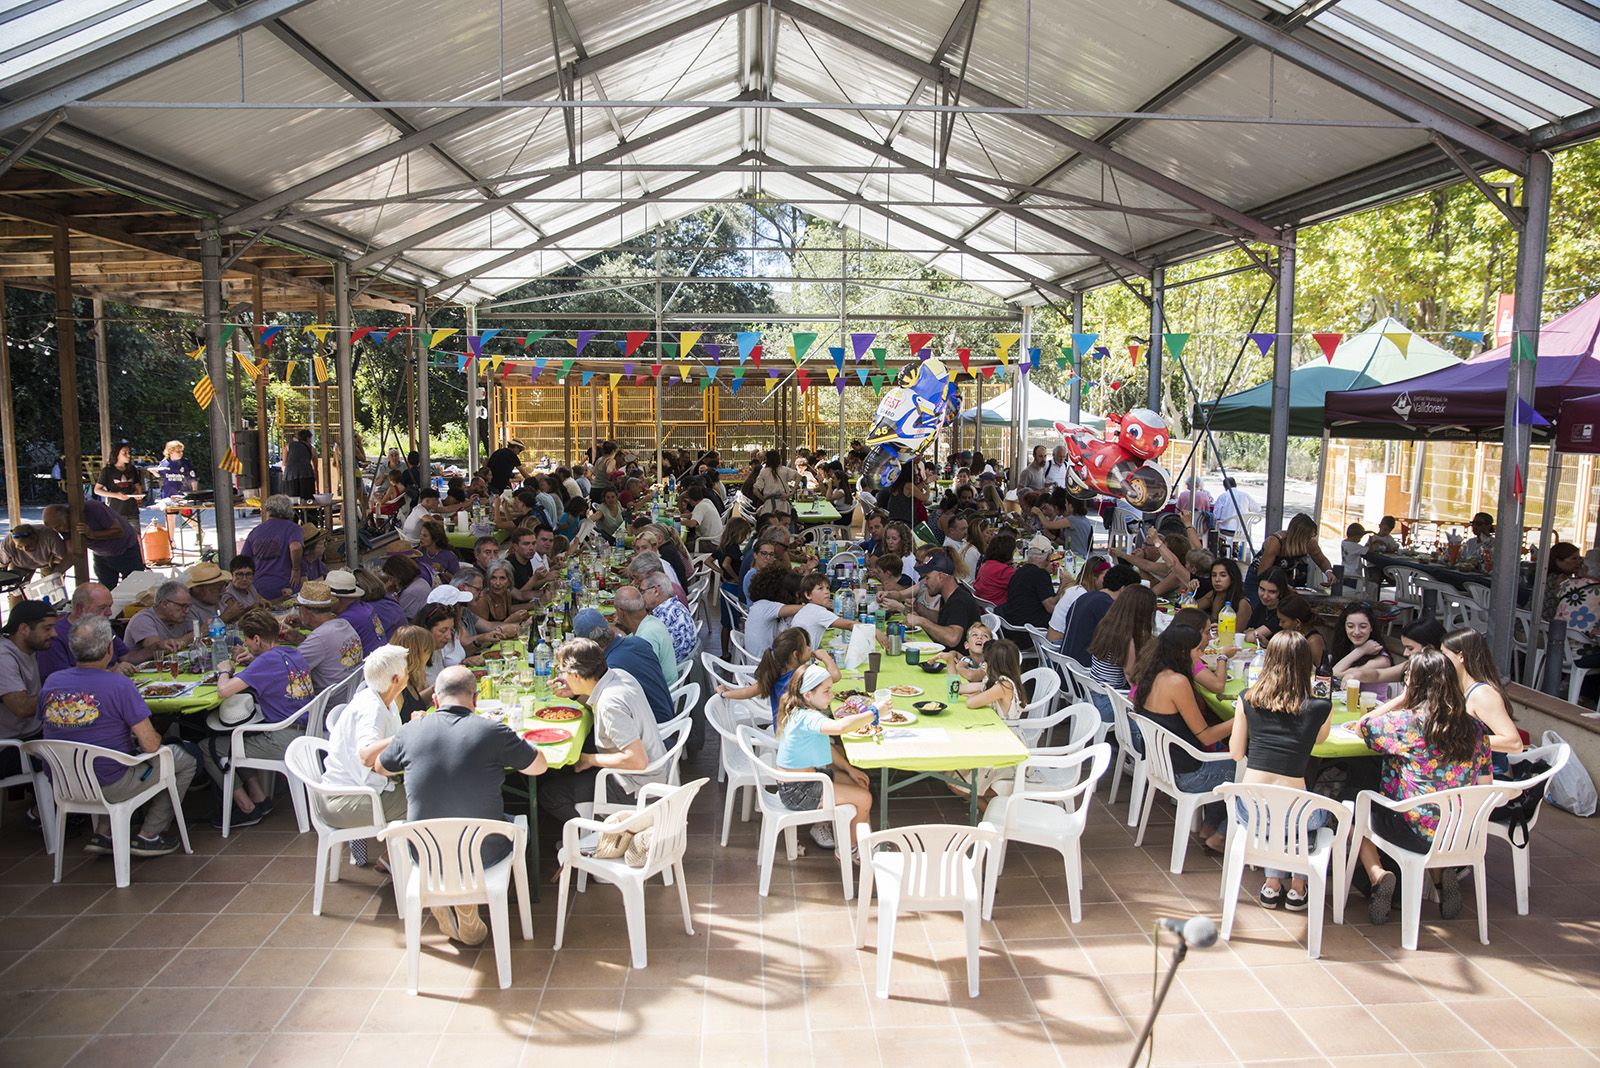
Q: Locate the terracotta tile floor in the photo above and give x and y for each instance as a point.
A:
(215, 959)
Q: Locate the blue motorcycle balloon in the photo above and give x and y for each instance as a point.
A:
(924, 401)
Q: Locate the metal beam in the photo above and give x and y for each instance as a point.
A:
(1282, 366)
(349, 469)
(973, 192)
(1514, 215)
(67, 364)
(1156, 350)
(181, 44)
(1367, 86)
(25, 146)
(424, 410)
(1037, 123)
(466, 120)
(963, 24)
(8, 424)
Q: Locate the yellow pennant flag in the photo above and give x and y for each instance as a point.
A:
(320, 331)
(684, 371)
(1401, 341)
(320, 366)
(1003, 343)
(833, 373)
(483, 365)
(281, 417)
(496, 361)
(288, 369)
(686, 341)
(250, 367)
(439, 336)
(772, 383)
(615, 378)
(204, 392)
(196, 354)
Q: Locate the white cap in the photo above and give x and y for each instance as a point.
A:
(1040, 544)
(449, 595)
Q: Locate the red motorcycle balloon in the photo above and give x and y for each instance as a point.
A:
(1122, 463)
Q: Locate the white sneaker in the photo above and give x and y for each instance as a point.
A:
(822, 834)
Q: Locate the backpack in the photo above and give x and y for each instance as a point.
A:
(1517, 813)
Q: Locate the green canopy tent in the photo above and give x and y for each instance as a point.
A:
(1370, 358)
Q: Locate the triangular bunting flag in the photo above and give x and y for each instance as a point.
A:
(860, 343)
(615, 378)
(712, 349)
(707, 382)
(965, 356)
(1115, 386)
(1474, 336)
(711, 372)
(361, 332)
(496, 361)
(268, 335)
(749, 340)
(204, 392)
(566, 367)
(588, 376)
(1527, 415)
(738, 374)
(1134, 351)
(1003, 343)
(802, 345)
(737, 384)
(1175, 344)
(320, 367)
(1518, 490)
(484, 337)
(861, 373)
(837, 352)
(877, 385)
(533, 335)
(320, 332)
(833, 374)
(686, 342)
(1400, 339)
(483, 365)
(288, 370)
(250, 367)
(988, 372)
(1000, 371)
(669, 349)
(627, 369)
(839, 385)
(227, 332)
(918, 342)
(655, 370)
(772, 384)
(879, 355)
(1329, 344)
(438, 337)
(684, 370)
(230, 463)
(1061, 360)
(1264, 341)
(633, 340)
(1033, 358)
(195, 354)
(475, 343)
(1084, 342)
(584, 337)
(1521, 348)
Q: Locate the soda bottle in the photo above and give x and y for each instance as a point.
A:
(1227, 625)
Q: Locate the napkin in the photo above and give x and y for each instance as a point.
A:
(862, 640)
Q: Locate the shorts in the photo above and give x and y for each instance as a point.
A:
(1393, 827)
(803, 796)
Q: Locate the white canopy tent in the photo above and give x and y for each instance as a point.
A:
(1044, 410)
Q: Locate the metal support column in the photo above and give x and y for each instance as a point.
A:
(1322, 477)
(1541, 571)
(424, 370)
(67, 359)
(1282, 364)
(1158, 327)
(258, 354)
(844, 305)
(102, 375)
(1019, 387)
(1075, 399)
(978, 430)
(8, 424)
(660, 355)
(347, 413)
(1517, 437)
(472, 393)
(324, 435)
(217, 360)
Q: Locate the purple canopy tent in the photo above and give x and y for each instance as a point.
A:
(1578, 429)
(1468, 401)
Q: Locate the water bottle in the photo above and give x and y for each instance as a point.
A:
(847, 605)
(219, 642)
(619, 538)
(1258, 664)
(1227, 625)
(542, 658)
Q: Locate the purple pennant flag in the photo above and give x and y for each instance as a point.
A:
(838, 383)
(772, 372)
(475, 343)
(860, 343)
(1264, 341)
(584, 337)
(1101, 352)
(627, 369)
(1527, 415)
(714, 350)
(1024, 366)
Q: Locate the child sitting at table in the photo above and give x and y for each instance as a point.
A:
(1212, 678)
(805, 743)
(1000, 687)
(789, 651)
(969, 662)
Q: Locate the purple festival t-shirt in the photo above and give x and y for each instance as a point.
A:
(99, 517)
(390, 614)
(268, 545)
(363, 616)
(58, 655)
(281, 680)
(94, 707)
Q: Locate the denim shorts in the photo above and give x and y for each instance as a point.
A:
(803, 796)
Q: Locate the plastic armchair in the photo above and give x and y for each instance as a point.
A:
(737, 638)
(734, 767)
(720, 672)
(674, 735)
(931, 867)
(1039, 715)
(1556, 756)
(1052, 816)
(76, 788)
(28, 775)
(664, 810)
(1460, 841)
(1023, 635)
(1160, 778)
(1270, 829)
(735, 606)
(439, 864)
(305, 759)
(685, 699)
(238, 758)
(1063, 666)
(761, 751)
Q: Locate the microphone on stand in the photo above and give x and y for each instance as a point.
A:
(1197, 932)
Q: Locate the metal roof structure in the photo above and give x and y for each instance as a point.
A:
(1037, 148)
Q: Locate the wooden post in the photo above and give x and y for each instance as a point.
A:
(8, 424)
(102, 375)
(325, 439)
(67, 358)
(263, 461)
(411, 407)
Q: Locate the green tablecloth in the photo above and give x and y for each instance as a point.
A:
(1333, 748)
(465, 539)
(816, 512)
(200, 700)
(509, 693)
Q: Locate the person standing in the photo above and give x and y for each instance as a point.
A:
(1055, 470)
(176, 473)
(121, 483)
(1032, 477)
(277, 545)
(300, 466)
(113, 541)
(503, 463)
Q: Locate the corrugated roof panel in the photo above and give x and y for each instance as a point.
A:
(44, 36)
(915, 27)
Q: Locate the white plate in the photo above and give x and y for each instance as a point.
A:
(925, 648)
(1343, 735)
(919, 690)
(187, 689)
(911, 717)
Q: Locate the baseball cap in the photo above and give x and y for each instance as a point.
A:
(1040, 544)
(448, 595)
(589, 622)
(342, 583)
(27, 613)
(938, 562)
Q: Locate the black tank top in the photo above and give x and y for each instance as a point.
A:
(1281, 744)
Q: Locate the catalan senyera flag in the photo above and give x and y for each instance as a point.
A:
(321, 367)
(230, 463)
(204, 392)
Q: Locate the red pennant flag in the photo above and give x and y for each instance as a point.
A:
(1518, 490)
(755, 355)
(988, 372)
(1115, 386)
(918, 342)
(804, 378)
(359, 334)
(655, 370)
(635, 339)
(640, 380)
(1133, 353)
(1329, 343)
(965, 355)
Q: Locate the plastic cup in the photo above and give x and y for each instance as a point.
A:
(874, 660)
(913, 657)
(869, 680)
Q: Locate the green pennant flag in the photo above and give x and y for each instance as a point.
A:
(1175, 344)
(1061, 362)
(227, 332)
(877, 385)
(671, 349)
(534, 335)
(880, 355)
(1523, 349)
(706, 383)
(566, 367)
(802, 344)
(738, 372)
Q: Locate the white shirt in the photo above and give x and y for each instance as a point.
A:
(622, 716)
(814, 619)
(449, 656)
(1058, 618)
(965, 552)
(760, 626)
(1055, 473)
(411, 527)
(1351, 554)
(708, 521)
(365, 720)
(1229, 505)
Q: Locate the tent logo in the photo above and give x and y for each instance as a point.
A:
(1402, 406)
(1583, 432)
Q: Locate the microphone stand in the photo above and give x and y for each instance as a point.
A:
(1178, 956)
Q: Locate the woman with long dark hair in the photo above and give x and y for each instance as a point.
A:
(1119, 639)
(1227, 588)
(1432, 744)
(121, 483)
(1486, 699)
(1294, 548)
(1354, 645)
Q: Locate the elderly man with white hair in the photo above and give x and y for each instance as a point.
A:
(659, 599)
(362, 732)
(648, 563)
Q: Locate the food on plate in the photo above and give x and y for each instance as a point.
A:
(163, 689)
(896, 718)
(866, 730)
(906, 691)
(547, 735)
(560, 713)
(846, 694)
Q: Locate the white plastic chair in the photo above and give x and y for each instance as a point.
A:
(736, 606)
(1556, 756)
(76, 788)
(720, 672)
(1460, 841)
(305, 759)
(237, 759)
(736, 637)
(734, 767)
(931, 867)
(1039, 714)
(1159, 778)
(685, 699)
(1053, 816)
(1022, 635)
(28, 775)
(674, 735)
(1271, 832)
(439, 864)
(664, 810)
(761, 751)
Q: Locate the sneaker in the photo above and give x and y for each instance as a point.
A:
(98, 843)
(445, 917)
(470, 928)
(1382, 898)
(243, 819)
(822, 834)
(1295, 900)
(1449, 894)
(157, 846)
(1271, 897)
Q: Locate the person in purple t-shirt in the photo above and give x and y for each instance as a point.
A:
(89, 601)
(360, 614)
(112, 539)
(279, 680)
(277, 547)
(95, 706)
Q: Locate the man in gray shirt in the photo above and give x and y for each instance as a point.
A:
(1032, 477)
(165, 626)
(333, 648)
(29, 629)
(454, 762)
